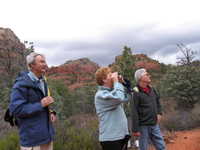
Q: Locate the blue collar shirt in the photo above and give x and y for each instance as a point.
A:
(38, 80)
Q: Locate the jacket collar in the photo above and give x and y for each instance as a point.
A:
(25, 80)
(144, 90)
(104, 88)
(33, 77)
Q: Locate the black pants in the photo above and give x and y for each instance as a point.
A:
(115, 145)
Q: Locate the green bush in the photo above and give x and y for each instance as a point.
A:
(10, 142)
(69, 103)
(175, 120)
(75, 135)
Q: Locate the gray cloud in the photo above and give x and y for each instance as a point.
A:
(147, 39)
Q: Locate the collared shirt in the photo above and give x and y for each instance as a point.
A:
(145, 90)
(38, 80)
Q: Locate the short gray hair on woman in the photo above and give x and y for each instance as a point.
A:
(30, 58)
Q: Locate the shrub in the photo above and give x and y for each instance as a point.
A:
(175, 119)
(10, 142)
(78, 132)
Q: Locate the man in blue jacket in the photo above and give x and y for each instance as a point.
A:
(113, 127)
(29, 105)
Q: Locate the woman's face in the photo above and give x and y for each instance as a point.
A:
(108, 81)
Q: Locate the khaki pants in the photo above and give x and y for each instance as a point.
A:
(48, 146)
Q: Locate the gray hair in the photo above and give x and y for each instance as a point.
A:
(139, 73)
(30, 58)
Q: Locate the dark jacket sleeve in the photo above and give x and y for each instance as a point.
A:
(19, 105)
(159, 107)
(134, 112)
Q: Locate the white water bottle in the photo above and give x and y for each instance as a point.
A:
(136, 143)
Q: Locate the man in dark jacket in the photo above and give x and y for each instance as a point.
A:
(29, 105)
(146, 112)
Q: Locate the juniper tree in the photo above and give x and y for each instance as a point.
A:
(183, 81)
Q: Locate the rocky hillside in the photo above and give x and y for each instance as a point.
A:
(7, 34)
(143, 61)
(12, 53)
(75, 73)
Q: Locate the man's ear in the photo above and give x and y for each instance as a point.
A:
(31, 65)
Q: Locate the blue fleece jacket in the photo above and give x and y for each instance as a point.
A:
(34, 125)
(112, 119)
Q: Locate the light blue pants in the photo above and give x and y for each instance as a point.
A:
(151, 134)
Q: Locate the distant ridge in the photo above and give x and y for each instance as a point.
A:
(74, 73)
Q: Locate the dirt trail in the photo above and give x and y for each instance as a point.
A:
(186, 140)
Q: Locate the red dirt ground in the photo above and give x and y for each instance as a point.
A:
(182, 140)
(185, 140)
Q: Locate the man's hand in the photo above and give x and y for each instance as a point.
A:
(121, 79)
(46, 101)
(136, 134)
(52, 117)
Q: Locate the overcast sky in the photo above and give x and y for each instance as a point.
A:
(99, 29)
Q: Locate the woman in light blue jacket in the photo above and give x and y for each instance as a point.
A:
(113, 126)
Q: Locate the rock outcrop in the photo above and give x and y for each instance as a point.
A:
(75, 73)
(12, 53)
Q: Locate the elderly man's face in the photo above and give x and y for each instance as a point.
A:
(39, 66)
(146, 78)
